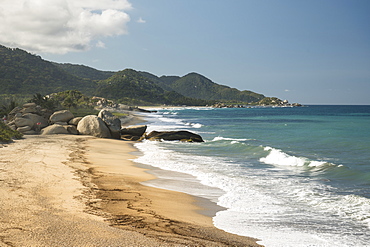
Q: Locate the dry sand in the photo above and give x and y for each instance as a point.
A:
(66, 190)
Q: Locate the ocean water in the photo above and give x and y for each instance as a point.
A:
(294, 176)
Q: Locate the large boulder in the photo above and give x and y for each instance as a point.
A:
(54, 129)
(61, 116)
(72, 129)
(174, 136)
(74, 121)
(138, 130)
(94, 126)
(31, 108)
(32, 120)
(113, 123)
(24, 129)
(37, 120)
(59, 129)
(22, 121)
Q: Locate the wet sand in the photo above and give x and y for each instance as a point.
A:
(65, 190)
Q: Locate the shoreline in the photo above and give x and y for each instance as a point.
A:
(84, 191)
(172, 182)
(163, 214)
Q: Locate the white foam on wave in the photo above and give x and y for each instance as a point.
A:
(220, 138)
(194, 125)
(157, 156)
(279, 158)
(170, 113)
(165, 121)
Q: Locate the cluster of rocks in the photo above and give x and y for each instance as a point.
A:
(32, 119)
(28, 119)
(277, 102)
(101, 102)
(222, 105)
(274, 102)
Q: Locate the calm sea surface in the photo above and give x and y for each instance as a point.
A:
(288, 176)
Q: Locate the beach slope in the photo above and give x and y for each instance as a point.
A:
(66, 190)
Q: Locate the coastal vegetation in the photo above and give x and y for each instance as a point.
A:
(7, 134)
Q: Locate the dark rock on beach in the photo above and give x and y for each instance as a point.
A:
(174, 136)
(138, 130)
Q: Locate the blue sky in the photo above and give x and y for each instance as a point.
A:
(311, 52)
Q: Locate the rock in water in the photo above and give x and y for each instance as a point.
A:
(174, 136)
(94, 126)
(138, 130)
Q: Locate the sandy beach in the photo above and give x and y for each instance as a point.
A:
(71, 190)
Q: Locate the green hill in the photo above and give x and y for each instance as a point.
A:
(24, 73)
(83, 71)
(130, 86)
(197, 86)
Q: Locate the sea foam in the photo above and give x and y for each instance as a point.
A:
(280, 158)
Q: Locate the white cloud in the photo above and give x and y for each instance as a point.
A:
(141, 20)
(61, 26)
(100, 44)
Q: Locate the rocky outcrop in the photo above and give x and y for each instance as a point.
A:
(113, 123)
(94, 126)
(174, 136)
(61, 116)
(28, 119)
(133, 133)
(100, 102)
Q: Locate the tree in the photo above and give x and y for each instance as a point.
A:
(43, 101)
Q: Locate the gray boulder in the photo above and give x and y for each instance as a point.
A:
(74, 121)
(61, 116)
(24, 129)
(174, 136)
(94, 126)
(33, 121)
(23, 121)
(54, 129)
(30, 108)
(113, 123)
(43, 122)
(72, 129)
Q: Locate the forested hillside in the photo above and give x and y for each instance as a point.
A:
(85, 71)
(24, 73)
(129, 84)
(196, 86)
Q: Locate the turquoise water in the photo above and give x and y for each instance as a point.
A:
(288, 176)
